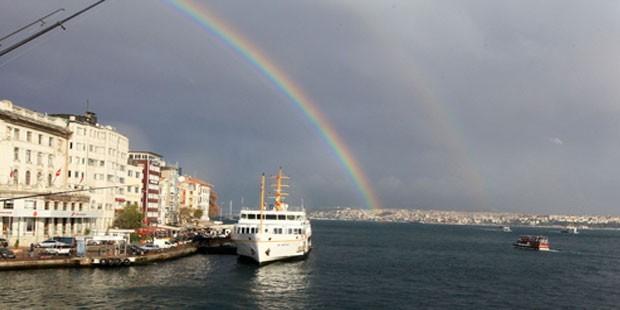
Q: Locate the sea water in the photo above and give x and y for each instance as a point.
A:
(354, 265)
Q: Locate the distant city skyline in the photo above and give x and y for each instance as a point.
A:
(456, 105)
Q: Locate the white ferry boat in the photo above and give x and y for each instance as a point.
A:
(276, 234)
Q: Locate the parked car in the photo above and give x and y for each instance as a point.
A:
(4, 243)
(149, 247)
(66, 240)
(51, 243)
(6, 253)
(135, 249)
(58, 251)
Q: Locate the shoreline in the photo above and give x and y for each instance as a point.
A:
(468, 224)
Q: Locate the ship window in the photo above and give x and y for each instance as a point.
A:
(271, 216)
(252, 216)
(290, 231)
(290, 217)
(243, 215)
(298, 217)
(281, 217)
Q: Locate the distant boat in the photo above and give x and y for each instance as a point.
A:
(570, 230)
(506, 229)
(539, 243)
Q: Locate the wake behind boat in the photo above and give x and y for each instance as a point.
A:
(270, 235)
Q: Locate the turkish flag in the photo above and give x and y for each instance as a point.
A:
(58, 172)
(12, 173)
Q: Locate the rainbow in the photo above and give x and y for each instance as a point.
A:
(201, 15)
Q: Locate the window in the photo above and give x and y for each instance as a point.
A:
(55, 205)
(50, 160)
(39, 178)
(15, 176)
(40, 140)
(29, 136)
(39, 158)
(16, 134)
(290, 217)
(252, 216)
(16, 153)
(50, 141)
(28, 157)
(64, 206)
(8, 205)
(69, 173)
(271, 216)
(8, 132)
(71, 145)
(47, 205)
(27, 177)
(281, 216)
(49, 180)
(73, 206)
(80, 206)
(29, 224)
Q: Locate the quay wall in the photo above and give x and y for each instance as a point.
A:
(87, 262)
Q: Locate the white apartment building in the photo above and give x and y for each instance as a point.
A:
(194, 193)
(97, 157)
(133, 192)
(169, 193)
(33, 160)
(150, 164)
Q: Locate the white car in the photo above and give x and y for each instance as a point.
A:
(58, 251)
(50, 243)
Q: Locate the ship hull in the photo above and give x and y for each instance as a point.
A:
(267, 251)
(530, 247)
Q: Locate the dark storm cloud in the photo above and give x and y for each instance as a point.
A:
(506, 105)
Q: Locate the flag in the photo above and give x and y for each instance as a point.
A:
(12, 173)
(58, 172)
(82, 178)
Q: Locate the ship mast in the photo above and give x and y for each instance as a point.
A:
(279, 195)
(262, 201)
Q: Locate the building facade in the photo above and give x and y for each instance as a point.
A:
(33, 161)
(194, 193)
(150, 164)
(169, 193)
(97, 159)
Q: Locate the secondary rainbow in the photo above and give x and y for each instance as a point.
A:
(201, 15)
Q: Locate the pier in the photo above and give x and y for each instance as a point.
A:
(98, 261)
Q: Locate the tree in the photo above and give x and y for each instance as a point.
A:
(214, 209)
(129, 217)
(185, 215)
(198, 213)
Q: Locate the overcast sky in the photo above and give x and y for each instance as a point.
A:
(458, 105)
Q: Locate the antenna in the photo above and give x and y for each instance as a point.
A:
(48, 29)
(87, 105)
(230, 209)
